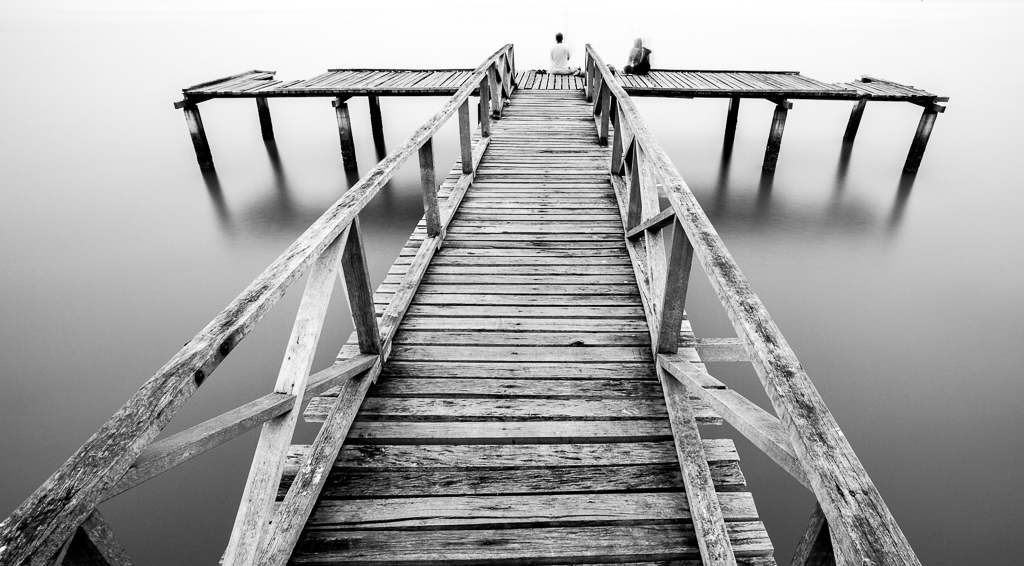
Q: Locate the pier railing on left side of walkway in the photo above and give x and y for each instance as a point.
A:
(124, 453)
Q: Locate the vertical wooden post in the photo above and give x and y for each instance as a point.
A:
(924, 130)
(730, 121)
(431, 208)
(485, 104)
(465, 138)
(495, 91)
(855, 115)
(616, 164)
(771, 152)
(359, 291)
(588, 79)
(635, 206)
(376, 121)
(199, 141)
(348, 144)
(676, 284)
(606, 103)
(263, 109)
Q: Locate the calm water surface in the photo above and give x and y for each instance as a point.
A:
(902, 296)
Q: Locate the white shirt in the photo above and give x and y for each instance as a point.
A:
(559, 57)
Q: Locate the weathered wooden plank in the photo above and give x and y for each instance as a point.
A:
(357, 483)
(567, 354)
(527, 388)
(534, 339)
(554, 545)
(501, 323)
(265, 473)
(538, 509)
(509, 432)
(707, 513)
(424, 409)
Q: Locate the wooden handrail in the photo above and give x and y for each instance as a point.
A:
(69, 496)
(863, 530)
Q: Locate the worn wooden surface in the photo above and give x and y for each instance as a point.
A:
(520, 399)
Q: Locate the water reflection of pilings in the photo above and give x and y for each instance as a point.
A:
(213, 188)
(903, 189)
(764, 192)
(284, 193)
(843, 166)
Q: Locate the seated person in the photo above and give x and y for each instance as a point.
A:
(639, 59)
(560, 59)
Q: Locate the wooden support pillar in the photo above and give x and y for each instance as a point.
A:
(431, 208)
(854, 123)
(199, 141)
(676, 284)
(485, 104)
(465, 138)
(266, 126)
(348, 143)
(815, 548)
(376, 121)
(924, 131)
(730, 121)
(771, 152)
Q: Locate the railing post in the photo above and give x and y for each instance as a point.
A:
(588, 77)
(485, 107)
(635, 209)
(199, 141)
(855, 115)
(606, 103)
(356, 278)
(495, 94)
(616, 162)
(465, 138)
(348, 144)
(266, 126)
(431, 208)
(676, 284)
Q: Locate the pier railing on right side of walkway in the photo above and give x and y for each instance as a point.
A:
(805, 438)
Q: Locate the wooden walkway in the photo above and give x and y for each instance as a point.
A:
(519, 418)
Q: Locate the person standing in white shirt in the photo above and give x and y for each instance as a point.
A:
(560, 59)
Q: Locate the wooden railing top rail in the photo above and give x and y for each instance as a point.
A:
(862, 528)
(68, 497)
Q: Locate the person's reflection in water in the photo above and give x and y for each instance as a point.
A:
(213, 188)
(899, 205)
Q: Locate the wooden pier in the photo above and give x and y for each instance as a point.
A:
(523, 388)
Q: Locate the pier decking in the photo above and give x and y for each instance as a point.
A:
(523, 388)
